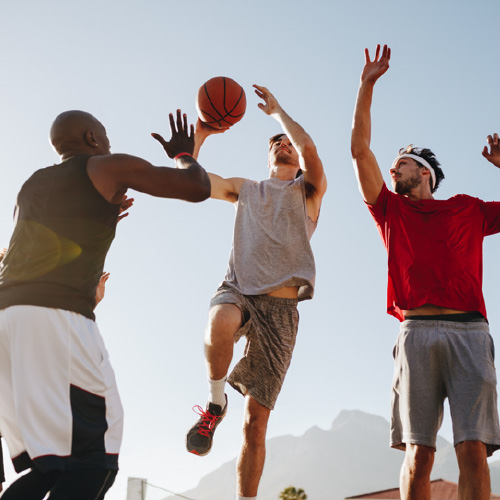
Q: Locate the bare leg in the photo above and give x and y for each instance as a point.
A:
(474, 479)
(415, 480)
(253, 448)
(224, 321)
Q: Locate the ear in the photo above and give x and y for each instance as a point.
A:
(90, 139)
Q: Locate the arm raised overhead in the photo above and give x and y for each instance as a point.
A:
(367, 170)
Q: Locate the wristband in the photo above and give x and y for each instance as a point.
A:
(181, 154)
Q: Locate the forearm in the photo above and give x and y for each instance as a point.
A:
(361, 126)
(300, 139)
(199, 139)
(365, 164)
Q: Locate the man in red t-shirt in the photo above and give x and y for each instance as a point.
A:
(444, 349)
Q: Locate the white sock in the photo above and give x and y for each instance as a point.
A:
(217, 395)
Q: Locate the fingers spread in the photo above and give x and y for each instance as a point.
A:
(158, 137)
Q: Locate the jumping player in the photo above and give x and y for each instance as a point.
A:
(61, 414)
(435, 274)
(271, 268)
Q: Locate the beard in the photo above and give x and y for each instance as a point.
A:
(405, 187)
(284, 157)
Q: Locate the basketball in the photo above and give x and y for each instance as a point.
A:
(221, 102)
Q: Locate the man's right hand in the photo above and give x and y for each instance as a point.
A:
(182, 140)
(493, 155)
(373, 70)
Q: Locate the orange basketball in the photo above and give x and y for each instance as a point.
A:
(221, 102)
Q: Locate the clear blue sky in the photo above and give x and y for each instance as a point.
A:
(130, 63)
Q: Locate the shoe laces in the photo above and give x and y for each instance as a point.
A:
(208, 421)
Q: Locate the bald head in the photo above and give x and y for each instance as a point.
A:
(77, 132)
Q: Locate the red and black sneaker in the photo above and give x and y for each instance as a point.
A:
(199, 437)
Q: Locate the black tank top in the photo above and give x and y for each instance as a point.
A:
(63, 231)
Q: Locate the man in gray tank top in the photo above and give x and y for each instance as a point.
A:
(271, 268)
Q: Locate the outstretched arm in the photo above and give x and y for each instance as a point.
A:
(113, 174)
(222, 189)
(493, 155)
(368, 172)
(310, 163)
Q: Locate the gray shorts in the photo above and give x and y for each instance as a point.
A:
(270, 326)
(434, 360)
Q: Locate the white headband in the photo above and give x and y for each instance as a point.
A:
(418, 159)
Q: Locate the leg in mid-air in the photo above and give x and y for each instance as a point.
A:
(223, 322)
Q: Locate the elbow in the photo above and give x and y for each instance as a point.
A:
(308, 149)
(202, 192)
(359, 151)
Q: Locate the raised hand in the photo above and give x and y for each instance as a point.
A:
(373, 70)
(270, 104)
(182, 140)
(493, 155)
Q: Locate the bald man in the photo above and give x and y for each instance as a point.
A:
(61, 414)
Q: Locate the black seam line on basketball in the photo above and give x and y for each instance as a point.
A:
(210, 100)
(236, 104)
(222, 120)
(219, 120)
(214, 119)
(228, 112)
(221, 117)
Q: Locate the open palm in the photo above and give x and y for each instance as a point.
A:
(373, 70)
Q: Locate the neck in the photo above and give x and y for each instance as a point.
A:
(283, 172)
(71, 152)
(420, 194)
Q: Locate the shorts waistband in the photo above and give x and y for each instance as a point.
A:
(467, 317)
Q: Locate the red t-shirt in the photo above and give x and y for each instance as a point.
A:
(435, 250)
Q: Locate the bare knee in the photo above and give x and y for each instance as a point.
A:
(255, 422)
(419, 460)
(224, 320)
(471, 456)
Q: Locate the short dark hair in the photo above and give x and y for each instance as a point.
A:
(431, 159)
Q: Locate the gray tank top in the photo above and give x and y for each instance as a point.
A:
(271, 236)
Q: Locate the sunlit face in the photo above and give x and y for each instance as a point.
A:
(406, 175)
(282, 151)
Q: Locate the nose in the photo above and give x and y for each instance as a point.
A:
(393, 170)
